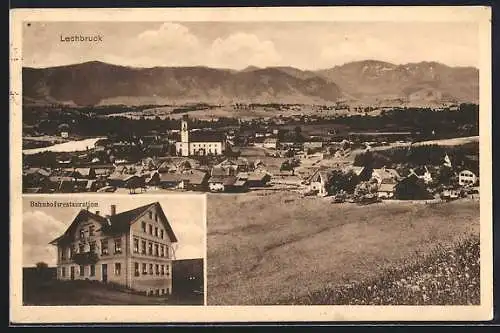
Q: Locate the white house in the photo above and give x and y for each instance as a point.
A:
(467, 178)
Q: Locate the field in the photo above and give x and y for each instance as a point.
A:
(53, 292)
(278, 248)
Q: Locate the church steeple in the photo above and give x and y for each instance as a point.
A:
(184, 129)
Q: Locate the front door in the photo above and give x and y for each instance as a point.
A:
(72, 272)
(104, 272)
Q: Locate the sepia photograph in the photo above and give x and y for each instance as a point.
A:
(241, 157)
(113, 251)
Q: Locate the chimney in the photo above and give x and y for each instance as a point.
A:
(97, 212)
(113, 210)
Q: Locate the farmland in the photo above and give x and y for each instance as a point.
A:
(273, 248)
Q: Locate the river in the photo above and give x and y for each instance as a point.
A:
(70, 146)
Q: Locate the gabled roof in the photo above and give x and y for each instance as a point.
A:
(386, 173)
(118, 223)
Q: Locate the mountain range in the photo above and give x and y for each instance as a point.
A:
(369, 81)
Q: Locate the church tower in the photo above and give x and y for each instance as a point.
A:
(182, 147)
(184, 129)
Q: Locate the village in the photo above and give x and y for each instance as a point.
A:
(348, 168)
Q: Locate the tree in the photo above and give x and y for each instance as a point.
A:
(41, 265)
(340, 181)
(411, 188)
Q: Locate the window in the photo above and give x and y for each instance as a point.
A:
(150, 269)
(91, 230)
(118, 268)
(92, 270)
(81, 248)
(82, 270)
(156, 231)
(167, 268)
(157, 270)
(63, 271)
(71, 252)
(104, 247)
(162, 269)
(167, 253)
(136, 269)
(92, 247)
(162, 251)
(150, 229)
(156, 217)
(82, 234)
(118, 245)
(150, 215)
(168, 290)
(136, 245)
(63, 253)
(143, 247)
(144, 269)
(143, 225)
(161, 233)
(157, 292)
(156, 250)
(150, 248)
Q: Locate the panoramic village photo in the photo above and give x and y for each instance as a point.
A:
(340, 160)
(111, 251)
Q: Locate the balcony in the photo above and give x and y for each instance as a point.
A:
(85, 258)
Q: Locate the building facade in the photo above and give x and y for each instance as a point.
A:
(199, 143)
(132, 249)
(467, 178)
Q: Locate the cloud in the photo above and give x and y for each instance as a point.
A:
(239, 50)
(39, 229)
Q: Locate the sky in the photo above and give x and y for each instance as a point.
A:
(236, 45)
(186, 215)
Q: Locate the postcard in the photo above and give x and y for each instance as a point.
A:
(251, 164)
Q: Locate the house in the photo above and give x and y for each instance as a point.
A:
(257, 179)
(84, 173)
(422, 173)
(386, 190)
(132, 248)
(318, 182)
(227, 184)
(467, 178)
(199, 142)
(171, 180)
(270, 143)
(36, 178)
(385, 174)
(64, 130)
(313, 145)
(195, 180)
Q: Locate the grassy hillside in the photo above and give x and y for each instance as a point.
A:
(264, 249)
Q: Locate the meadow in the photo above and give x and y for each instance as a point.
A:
(279, 248)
